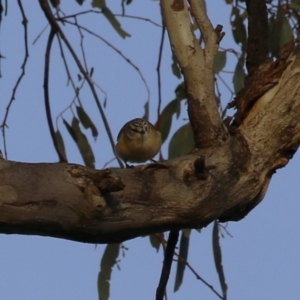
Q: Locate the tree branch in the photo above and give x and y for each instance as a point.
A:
(165, 272)
(105, 206)
(197, 67)
(257, 45)
(22, 74)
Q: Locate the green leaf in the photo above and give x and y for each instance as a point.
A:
(239, 75)
(280, 31)
(60, 144)
(238, 27)
(182, 141)
(183, 255)
(155, 243)
(86, 121)
(218, 258)
(81, 142)
(166, 118)
(110, 17)
(70, 130)
(220, 61)
(109, 259)
(175, 68)
(180, 91)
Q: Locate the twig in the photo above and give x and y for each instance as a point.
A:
(54, 25)
(165, 272)
(139, 18)
(119, 52)
(116, 15)
(23, 66)
(163, 241)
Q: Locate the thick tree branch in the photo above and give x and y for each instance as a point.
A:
(103, 206)
(197, 67)
(257, 44)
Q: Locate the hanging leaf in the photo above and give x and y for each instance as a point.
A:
(70, 130)
(166, 118)
(86, 121)
(220, 61)
(175, 67)
(280, 31)
(183, 255)
(238, 27)
(109, 259)
(146, 114)
(81, 142)
(239, 75)
(218, 258)
(155, 243)
(110, 17)
(60, 144)
(182, 141)
(180, 91)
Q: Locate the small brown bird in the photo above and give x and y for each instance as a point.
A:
(138, 141)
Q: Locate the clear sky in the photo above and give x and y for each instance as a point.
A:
(261, 260)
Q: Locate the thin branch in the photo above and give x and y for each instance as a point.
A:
(46, 97)
(54, 25)
(200, 278)
(69, 76)
(165, 272)
(182, 260)
(116, 15)
(158, 72)
(139, 18)
(23, 66)
(257, 44)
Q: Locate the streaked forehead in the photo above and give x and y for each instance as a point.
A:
(136, 123)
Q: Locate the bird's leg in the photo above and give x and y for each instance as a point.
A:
(128, 166)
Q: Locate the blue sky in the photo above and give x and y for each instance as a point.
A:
(261, 260)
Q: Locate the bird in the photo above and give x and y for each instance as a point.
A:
(138, 141)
